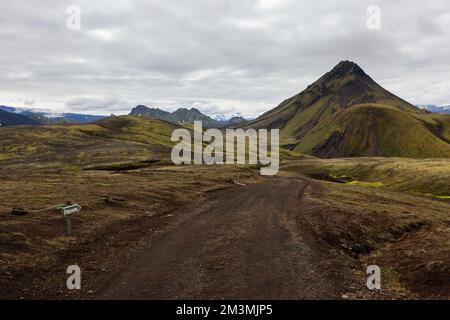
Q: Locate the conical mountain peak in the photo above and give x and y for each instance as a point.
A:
(345, 113)
(347, 84)
(345, 68)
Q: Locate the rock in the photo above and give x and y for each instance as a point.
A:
(112, 200)
(19, 212)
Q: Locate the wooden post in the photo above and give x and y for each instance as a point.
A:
(69, 225)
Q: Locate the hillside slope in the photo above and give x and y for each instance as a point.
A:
(347, 114)
(114, 139)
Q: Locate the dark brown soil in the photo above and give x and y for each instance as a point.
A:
(279, 239)
(241, 243)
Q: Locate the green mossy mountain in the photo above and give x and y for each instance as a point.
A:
(346, 113)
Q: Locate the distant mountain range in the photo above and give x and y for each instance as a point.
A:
(11, 119)
(435, 109)
(184, 115)
(346, 113)
(25, 116)
(18, 116)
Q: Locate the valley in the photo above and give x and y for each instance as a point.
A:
(363, 180)
(189, 232)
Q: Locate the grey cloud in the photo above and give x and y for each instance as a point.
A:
(218, 55)
(90, 104)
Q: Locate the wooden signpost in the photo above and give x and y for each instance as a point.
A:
(67, 213)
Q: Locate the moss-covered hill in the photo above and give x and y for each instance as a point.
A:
(347, 114)
(112, 139)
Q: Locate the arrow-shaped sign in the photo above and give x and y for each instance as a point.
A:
(67, 213)
(70, 210)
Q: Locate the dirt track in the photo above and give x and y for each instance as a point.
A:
(244, 243)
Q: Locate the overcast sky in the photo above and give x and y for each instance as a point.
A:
(220, 56)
